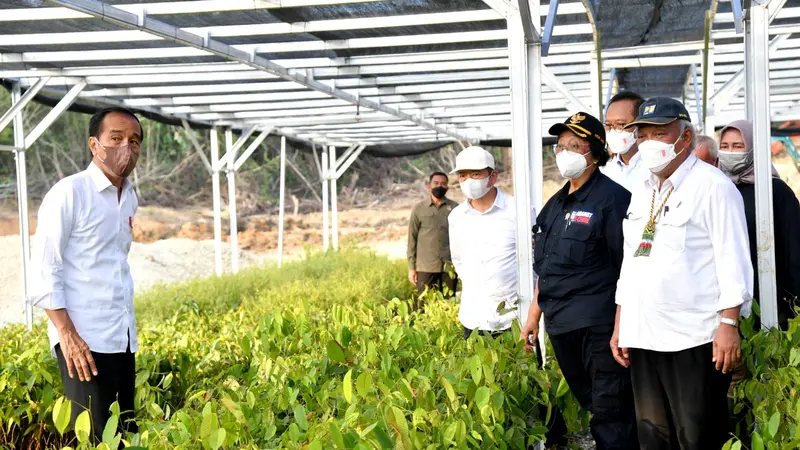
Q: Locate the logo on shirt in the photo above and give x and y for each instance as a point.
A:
(582, 217)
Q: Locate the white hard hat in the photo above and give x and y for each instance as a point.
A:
(473, 158)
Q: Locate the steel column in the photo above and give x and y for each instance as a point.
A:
(231, 172)
(526, 120)
(325, 202)
(612, 75)
(22, 199)
(282, 200)
(217, 200)
(334, 201)
(697, 100)
(709, 121)
(757, 27)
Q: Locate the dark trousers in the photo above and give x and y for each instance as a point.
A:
(115, 381)
(681, 399)
(436, 280)
(492, 334)
(601, 385)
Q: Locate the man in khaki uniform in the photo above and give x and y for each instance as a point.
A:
(428, 239)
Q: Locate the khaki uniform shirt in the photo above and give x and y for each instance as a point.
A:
(428, 237)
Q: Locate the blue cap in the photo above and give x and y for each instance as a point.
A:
(660, 111)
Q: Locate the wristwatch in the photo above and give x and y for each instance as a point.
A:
(732, 322)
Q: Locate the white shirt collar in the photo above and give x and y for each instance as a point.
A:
(500, 201)
(632, 163)
(101, 181)
(677, 177)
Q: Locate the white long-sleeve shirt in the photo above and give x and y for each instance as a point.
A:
(483, 247)
(699, 263)
(623, 174)
(79, 260)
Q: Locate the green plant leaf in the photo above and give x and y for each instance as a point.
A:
(758, 442)
(336, 435)
(110, 430)
(62, 410)
(476, 368)
(397, 419)
(448, 388)
(83, 426)
(563, 388)
(315, 445)
(482, 396)
(383, 438)
(774, 423)
(217, 438)
(364, 384)
(335, 352)
(727, 445)
(167, 381)
(300, 417)
(347, 386)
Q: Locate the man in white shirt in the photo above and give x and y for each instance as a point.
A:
(686, 277)
(81, 277)
(483, 245)
(624, 163)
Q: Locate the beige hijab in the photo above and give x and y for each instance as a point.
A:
(746, 175)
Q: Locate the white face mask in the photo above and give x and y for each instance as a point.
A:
(620, 142)
(570, 164)
(734, 163)
(657, 155)
(475, 189)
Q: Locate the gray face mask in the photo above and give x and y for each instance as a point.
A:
(734, 163)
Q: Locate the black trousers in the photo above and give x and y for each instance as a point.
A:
(601, 385)
(681, 399)
(493, 334)
(115, 381)
(436, 280)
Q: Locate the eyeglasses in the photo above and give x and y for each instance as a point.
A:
(575, 148)
(619, 126)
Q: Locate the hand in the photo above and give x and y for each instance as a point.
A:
(727, 352)
(620, 354)
(77, 355)
(412, 276)
(529, 330)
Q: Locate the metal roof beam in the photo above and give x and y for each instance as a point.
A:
(548, 27)
(172, 7)
(65, 102)
(530, 26)
(18, 106)
(207, 44)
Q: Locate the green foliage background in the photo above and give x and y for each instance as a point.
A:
(325, 353)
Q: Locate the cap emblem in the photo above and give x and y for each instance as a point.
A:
(577, 118)
(650, 109)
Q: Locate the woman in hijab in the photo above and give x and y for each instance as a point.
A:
(736, 160)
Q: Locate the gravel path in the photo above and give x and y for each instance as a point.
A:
(166, 261)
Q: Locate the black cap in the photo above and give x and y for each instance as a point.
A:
(583, 125)
(660, 111)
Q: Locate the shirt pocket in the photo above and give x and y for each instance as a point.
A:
(576, 243)
(632, 229)
(671, 230)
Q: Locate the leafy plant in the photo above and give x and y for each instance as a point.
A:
(321, 354)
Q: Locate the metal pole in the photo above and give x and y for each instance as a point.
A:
(22, 201)
(325, 203)
(708, 90)
(612, 75)
(697, 100)
(748, 70)
(334, 204)
(595, 77)
(216, 199)
(232, 200)
(759, 107)
(282, 199)
(526, 121)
